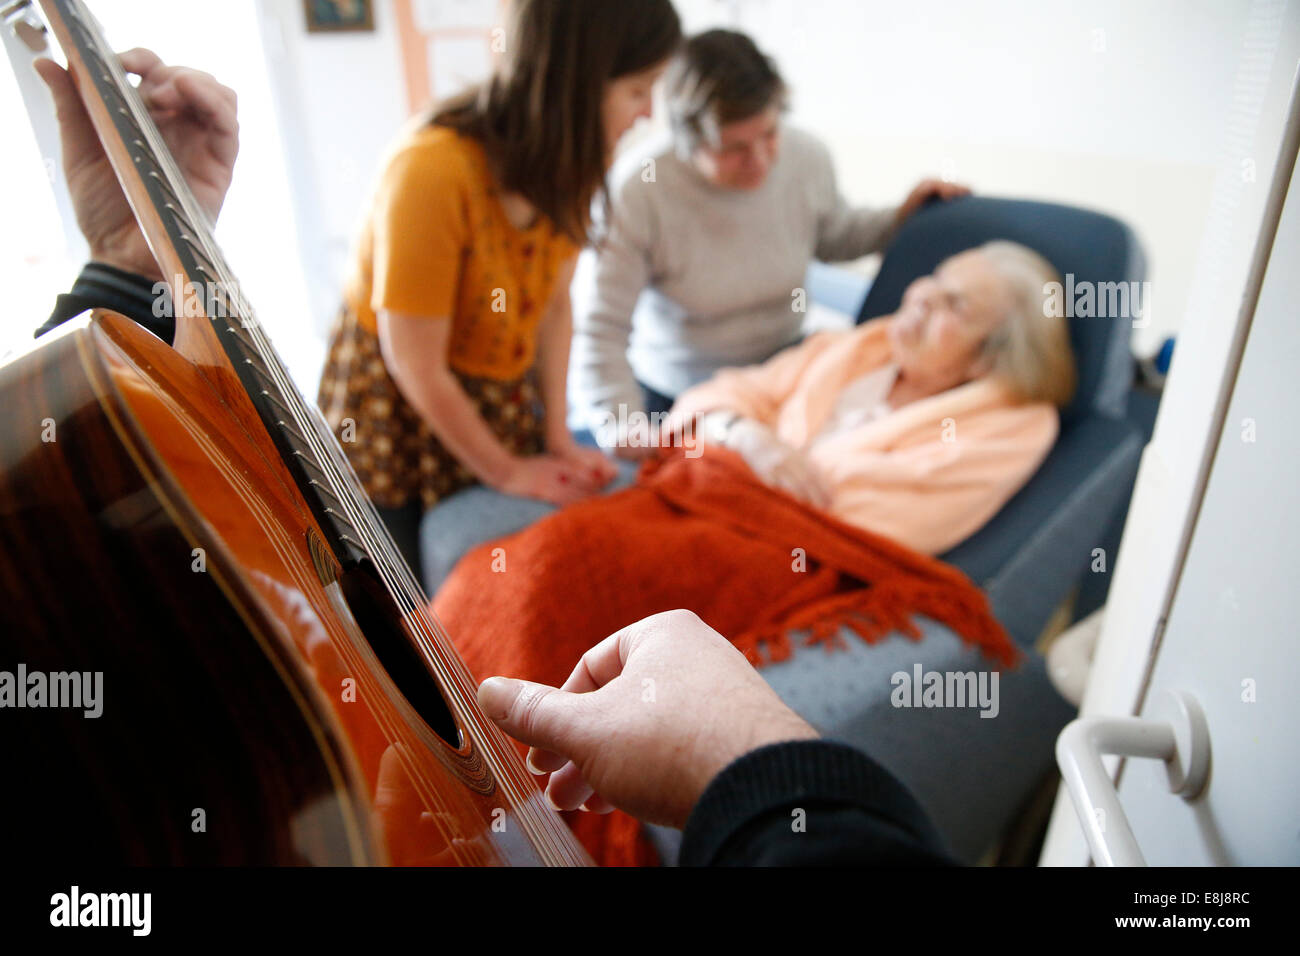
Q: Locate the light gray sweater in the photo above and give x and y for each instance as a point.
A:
(692, 278)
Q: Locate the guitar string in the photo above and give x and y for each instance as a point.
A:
(402, 585)
(373, 544)
(518, 786)
(385, 549)
(386, 725)
(198, 220)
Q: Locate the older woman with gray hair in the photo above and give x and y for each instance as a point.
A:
(918, 425)
(709, 237)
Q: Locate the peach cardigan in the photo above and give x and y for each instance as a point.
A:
(928, 475)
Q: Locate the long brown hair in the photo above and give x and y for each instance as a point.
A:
(540, 116)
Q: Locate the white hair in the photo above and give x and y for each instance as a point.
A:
(1030, 351)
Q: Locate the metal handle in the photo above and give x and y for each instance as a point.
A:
(1178, 735)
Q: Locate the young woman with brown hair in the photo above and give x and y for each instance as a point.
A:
(447, 365)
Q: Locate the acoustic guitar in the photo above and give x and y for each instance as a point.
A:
(185, 548)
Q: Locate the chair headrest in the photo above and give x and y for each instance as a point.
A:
(1086, 247)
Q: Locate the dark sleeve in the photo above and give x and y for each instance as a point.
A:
(103, 286)
(855, 813)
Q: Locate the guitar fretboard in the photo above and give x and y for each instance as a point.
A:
(295, 426)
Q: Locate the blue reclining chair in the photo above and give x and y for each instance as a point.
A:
(1038, 547)
(973, 774)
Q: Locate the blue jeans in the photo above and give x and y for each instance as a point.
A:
(463, 521)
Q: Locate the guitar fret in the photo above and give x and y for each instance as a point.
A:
(260, 371)
(275, 401)
(325, 491)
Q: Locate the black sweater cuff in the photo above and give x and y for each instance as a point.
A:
(854, 812)
(101, 286)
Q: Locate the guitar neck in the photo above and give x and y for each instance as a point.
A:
(174, 224)
(214, 323)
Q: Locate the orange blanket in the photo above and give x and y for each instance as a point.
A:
(701, 533)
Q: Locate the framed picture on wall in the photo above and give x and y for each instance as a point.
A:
(339, 16)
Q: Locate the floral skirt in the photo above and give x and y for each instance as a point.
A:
(395, 454)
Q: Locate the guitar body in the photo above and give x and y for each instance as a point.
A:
(260, 703)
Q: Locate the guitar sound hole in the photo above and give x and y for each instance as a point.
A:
(373, 608)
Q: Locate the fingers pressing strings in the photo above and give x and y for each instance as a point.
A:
(169, 91)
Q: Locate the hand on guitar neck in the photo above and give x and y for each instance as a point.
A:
(196, 116)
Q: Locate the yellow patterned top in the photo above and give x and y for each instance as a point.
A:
(437, 243)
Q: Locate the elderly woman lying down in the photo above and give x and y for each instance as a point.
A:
(918, 425)
(807, 494)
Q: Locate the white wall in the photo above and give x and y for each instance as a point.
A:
(39, 259)
(341, 99)
(257, 227)
(1117, 105)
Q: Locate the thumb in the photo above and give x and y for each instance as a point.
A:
(75, 129)
(536, 714)
(60, 84)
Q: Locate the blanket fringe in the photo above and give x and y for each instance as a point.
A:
(872, 613)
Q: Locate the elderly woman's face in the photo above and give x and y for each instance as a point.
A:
(944, 319)
(744, 153)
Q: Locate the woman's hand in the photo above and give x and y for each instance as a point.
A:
(196, 116)
(591, 460)
(777, 463)
(646, 720)
(549, 478)
(925, 190)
